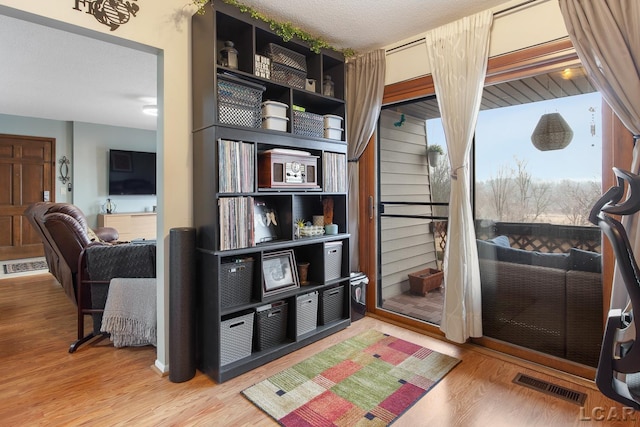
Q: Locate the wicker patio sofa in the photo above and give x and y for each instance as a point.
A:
(546, 302)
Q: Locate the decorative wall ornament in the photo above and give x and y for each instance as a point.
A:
(111, 13)
(64, 170)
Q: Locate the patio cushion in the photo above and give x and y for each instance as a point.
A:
(585, 261)
(496, 250)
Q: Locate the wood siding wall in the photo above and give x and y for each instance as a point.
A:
(407, 245)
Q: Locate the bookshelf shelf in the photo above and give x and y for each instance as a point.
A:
(247, 204)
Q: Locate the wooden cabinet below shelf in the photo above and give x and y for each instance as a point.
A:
(131, 226)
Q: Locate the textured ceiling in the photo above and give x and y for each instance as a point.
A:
(53, 74)
(364, 25)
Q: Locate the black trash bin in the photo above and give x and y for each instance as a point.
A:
(359, 283)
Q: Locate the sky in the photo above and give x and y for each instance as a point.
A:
(504, 134)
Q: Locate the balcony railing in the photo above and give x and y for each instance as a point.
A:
(548, 238)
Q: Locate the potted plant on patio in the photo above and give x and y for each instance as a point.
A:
(423, 281)
(434, 151)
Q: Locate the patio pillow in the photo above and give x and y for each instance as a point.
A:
(501, 241)
(585, 261)
(487, 248)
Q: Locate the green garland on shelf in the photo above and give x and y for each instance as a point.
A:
(285, 30)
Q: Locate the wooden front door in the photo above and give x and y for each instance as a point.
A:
(27, 170)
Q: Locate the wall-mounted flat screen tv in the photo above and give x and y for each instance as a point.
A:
(132, 172)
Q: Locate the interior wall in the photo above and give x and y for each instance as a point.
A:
(90, 167)
(522, 27)
(61, 131)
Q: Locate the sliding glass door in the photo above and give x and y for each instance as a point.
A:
(529, 201)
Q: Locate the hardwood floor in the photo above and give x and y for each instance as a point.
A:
(42, 384)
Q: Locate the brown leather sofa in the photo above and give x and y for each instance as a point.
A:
(84, 260)
(64, 232)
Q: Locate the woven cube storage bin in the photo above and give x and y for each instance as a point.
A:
(307, 313)
(239, 104)
(271, 326)
(236, 338)
(332, 260)
(331, 305)
(236, 281)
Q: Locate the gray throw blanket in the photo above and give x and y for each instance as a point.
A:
(130, 312)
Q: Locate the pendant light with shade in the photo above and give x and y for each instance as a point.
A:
(552, 131)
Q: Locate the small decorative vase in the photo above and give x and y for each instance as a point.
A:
(303, 271)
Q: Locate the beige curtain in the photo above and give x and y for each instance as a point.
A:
(606, 35)
(458, 54)
(365, 87)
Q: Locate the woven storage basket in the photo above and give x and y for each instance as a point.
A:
(236, 337)
(307, 313)
(271, 326)
(239, 104)
(331, 304)
(288, 76)
(332, 260)
(308, 124)
(284, 56)
(236, 280)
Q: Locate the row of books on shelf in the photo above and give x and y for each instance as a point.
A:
(246, 222)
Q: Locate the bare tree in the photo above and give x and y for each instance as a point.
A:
(500, 191)
(522, 181)
(577, 199)
(541, 197)
(440, 179)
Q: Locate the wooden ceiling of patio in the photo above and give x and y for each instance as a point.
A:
(554, 85)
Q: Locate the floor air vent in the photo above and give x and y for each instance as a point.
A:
(551, 389)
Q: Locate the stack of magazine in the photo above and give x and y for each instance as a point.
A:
(236, 222)
(236, 171)
(334, 172)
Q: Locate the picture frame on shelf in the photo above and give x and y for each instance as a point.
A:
(265, 222)
(279, 272)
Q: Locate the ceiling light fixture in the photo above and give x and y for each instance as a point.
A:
(151, 110)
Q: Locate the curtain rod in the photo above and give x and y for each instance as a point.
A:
(500, 12)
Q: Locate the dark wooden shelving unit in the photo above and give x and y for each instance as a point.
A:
(251, 37)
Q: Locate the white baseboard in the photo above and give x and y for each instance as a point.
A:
(160, 368)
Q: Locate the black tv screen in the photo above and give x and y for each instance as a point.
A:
(132, 172)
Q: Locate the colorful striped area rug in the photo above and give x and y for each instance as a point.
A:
(370, 379)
